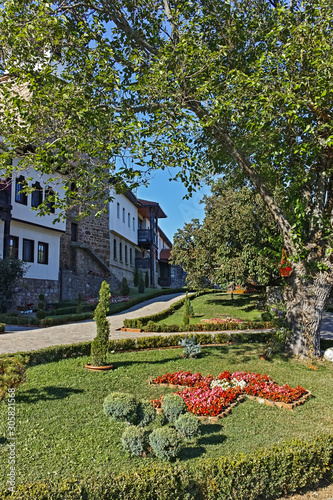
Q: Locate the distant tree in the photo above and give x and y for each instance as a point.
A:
(141, 285)
(136, 277)
(237, 241)
(124, 288)
(147, 279)
(11, 270)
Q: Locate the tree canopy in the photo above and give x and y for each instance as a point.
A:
(208, 86)
(237, 241)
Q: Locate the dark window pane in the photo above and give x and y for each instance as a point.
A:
(37, 195)
(19, 185)
(28, 250)
(13, 247)
(43, 253)
(49, 197)
(73, 232)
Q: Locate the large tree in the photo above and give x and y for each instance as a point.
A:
(209, 86)
(237, 241)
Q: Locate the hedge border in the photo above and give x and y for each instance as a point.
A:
(56, 353)
(265, 473)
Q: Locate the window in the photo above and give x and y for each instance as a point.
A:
(37, 195)
(129, 219)
(133, 223)
(13, 247)
(118, 210)
(74, 228)
(20, 197)
(50, 198)
(28, 250)
(120, 252)
(131, 257)
(126, 261)
(115, 249)
(123, 215)
(43, 253)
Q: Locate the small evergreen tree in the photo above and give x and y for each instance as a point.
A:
(79, 304)
(124, 288)
(147, 279)
(186, 310)
(99, 346)
(136, 277)
(141, 286)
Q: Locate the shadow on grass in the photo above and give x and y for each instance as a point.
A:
(210, 435)
(47, 393)
(191, 452)
(245, 303)
(3, 440)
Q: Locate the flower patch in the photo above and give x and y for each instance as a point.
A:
(217, 321)
(211, 397)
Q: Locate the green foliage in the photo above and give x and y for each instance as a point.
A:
(135, 440)
(188, 426)
(41, 314)
(99, 346)
(173, 406)
(11, 270)
(146, 413)
(147, 279)
(192, 349)
(12, 373)
(165, 443)
(141, 285)
(186, 319)
(124, 288)
(79, 304)
(2, 327)
(136, 277)
(269, 473)
(121, 406)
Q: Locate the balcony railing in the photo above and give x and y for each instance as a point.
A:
(144, 236)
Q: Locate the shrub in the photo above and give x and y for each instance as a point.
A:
(266, 316)
(2, 327)
(79, 304)
(165, 442)
(11, 270)
(191, 348)
(141, 285)
(136, 277)
(100, 344)
(134, 440)
(173, 406)
(188, 426)
(147, 280)
(41, 314)
(12, 373)
(146, 413)
(121, 406)
(124, 288)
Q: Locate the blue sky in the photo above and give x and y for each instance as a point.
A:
(169, 194)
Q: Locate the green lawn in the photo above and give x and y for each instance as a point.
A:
(219, 305)
(61, 429)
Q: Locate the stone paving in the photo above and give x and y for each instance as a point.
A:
(18, 338)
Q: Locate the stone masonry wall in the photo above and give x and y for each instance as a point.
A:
(86, 285)
(28, 290)
(178, 277)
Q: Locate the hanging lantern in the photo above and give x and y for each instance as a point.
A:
(285, 269)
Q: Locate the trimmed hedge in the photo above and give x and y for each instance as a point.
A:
(138, 322)
(14, 319)
(151, 326)
(55, 353)
(266, 473)
(2, 327)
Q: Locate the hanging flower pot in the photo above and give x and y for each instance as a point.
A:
(285, 268)
(285, 271)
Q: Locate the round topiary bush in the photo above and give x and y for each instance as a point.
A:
(165, 443)
(146, 413)
(120, 406)
(134, 440)
(173, 406)
(188, 426)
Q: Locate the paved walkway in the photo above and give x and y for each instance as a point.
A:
(21, 338)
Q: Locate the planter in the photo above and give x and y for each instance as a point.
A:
(135, 330)
(285, 271)
(98, 368)
(281, 404)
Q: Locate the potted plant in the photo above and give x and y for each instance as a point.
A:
(285, 268)
(100, 344)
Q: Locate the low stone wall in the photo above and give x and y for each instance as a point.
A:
(28, 290)
(89, 284)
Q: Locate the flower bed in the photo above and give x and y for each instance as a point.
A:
(218, 321)
(214, 397)
(115, 299)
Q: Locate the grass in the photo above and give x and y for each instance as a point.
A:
(61, 430)
(219, 305)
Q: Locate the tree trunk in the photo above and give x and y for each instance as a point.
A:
(306, 297)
